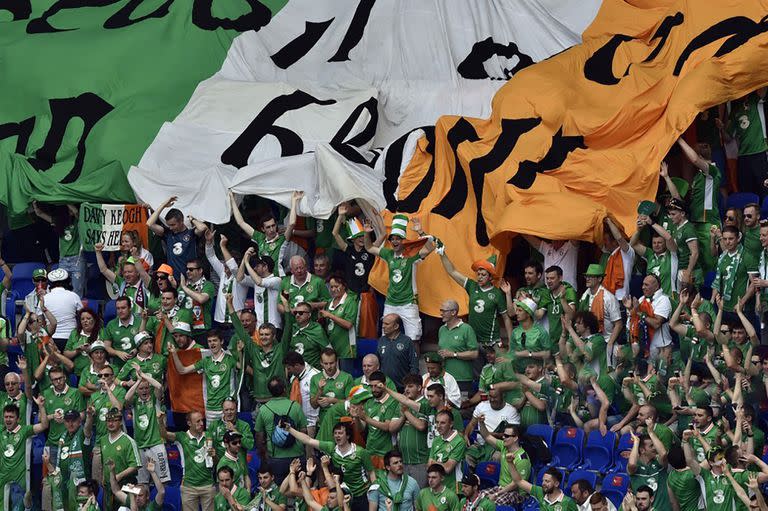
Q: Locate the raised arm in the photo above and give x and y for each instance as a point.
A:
(177, 363)
(699, 162)
(210, 253)
(295, 199)
(103, 268)
(369, 247)
(304, 438)
(164, 433)
(341, 217)
(198, 225)
(198, 297)
(400, 398)
(460, 278)
(245, 226)
(516, 477)
(152, 221)
(634, 454)
(664, 173)
(617, 235)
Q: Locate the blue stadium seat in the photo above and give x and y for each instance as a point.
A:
(590, 477)
(739, 200)
(177, 473)
(568, 447)
(110, 312)
(636, 285)
(366, 346)
(253, 460)
(543, 431)
(598, 453)
(21, 282)
(615, 486)
(14, 352)
(488, 472)
(246, 417)
(620, 462)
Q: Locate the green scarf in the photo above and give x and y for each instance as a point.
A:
(383, 482)
(728, 280)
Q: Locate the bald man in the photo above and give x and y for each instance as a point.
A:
(396, 351)
(300, 286)
(14, 396)
(457, 345)
(370, 366)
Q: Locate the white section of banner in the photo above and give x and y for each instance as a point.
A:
(419, 60)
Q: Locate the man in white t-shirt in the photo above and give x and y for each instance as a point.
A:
(496, 412)
(661, 308)
(227, 282)
(266, 286)
(562, 253)
(63, 304)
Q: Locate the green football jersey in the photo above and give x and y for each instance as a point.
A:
(402, 277)
(412, 442)
(15, 448)
(562, 503)
(194, 452)
(219, 378)
(343, 341)
(68, 399)
(337, 386)
(146, 430)
(309, 341)
(682, 234)
(102, 404)
(555, 311)
(685, 488)
(355, 464)
(485, 306)
(451, 448)
(443, 500)
(380, 442)
(122, 449)
(457, 339)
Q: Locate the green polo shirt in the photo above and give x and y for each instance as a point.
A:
(457, 339)
(337, 386)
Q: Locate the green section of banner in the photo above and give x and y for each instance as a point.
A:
(85, 89)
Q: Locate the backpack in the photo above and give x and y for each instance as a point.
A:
(537, 449)
(280, 436)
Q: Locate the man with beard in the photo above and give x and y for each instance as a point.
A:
(448, 448)
(473, 498)
(549, 495)
(231, 495)
(647, 466)
(165, 320)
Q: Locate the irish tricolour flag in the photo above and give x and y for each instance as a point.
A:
(106, 224)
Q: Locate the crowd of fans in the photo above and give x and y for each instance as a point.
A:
(226, 375)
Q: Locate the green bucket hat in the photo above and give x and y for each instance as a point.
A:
(594, 270)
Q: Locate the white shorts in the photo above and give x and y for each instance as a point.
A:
(410, 316)
(158, 453)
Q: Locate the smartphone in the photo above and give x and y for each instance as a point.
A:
(129, 488)
(677, 374)
(631, 374)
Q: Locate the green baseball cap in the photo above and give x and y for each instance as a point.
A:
(39, 273)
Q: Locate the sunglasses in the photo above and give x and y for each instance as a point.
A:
(299, 313)
(725, 331)
(163, 277)
(505, 435)
(105, 375)
(235, 442)
(730, 218)
(748, 215)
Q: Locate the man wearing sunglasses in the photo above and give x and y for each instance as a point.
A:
(307, 337)
(234, 458)
(197, 293)
(751, 238)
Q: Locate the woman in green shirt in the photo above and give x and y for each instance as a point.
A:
(340, 319)
(87, 332)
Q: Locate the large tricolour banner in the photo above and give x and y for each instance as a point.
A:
(485, 118)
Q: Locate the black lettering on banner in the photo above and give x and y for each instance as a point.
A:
(355, 31)
(122, 18)
(22, 130)
(292, 52)
(454, 200)
(354, 155)
(367, 134)
(263, 124)
(202, 16)
(87, 106)
(21, 9)
(599, 67)
(392, 162)
(41, 25)
(472, 66)
(554, 159)
(738, 30)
